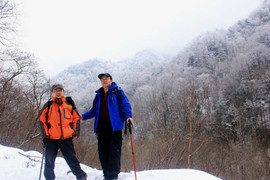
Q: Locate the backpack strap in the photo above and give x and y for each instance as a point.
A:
(49, 103)
(70, 101)
(115, 91)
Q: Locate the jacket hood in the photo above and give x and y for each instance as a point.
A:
(114, 85)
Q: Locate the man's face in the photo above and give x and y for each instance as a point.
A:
(57, 93)
(106, 81)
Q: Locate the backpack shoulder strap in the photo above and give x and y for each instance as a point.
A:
(71, 102)
(115, 91)
(49, 103)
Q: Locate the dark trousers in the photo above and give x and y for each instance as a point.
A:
(67, 149)
(109, 149)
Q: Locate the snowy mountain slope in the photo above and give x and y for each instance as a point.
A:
(81, 81)
(209, 54)
(16, 164)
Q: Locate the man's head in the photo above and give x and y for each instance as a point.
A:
(106, 80)
(57, 90)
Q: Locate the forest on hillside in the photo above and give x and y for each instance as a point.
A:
(208, 108)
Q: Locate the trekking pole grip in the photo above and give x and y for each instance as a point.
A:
(129, 124)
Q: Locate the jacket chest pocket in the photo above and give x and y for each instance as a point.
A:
(67, 114)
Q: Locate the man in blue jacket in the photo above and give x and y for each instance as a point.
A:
(110, 109)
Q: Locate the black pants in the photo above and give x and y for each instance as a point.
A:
(67, 149)
(109, 149)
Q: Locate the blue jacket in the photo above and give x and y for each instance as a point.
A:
(116, 117)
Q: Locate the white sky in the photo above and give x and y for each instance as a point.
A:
(64, 32)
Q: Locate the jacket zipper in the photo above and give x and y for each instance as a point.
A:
(62, 135)
(109, 108)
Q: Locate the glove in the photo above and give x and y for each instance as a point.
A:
(45, 140)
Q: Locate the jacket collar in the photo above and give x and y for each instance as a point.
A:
(63, 98)
(113, 86)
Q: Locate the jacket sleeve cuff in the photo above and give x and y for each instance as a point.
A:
(84, 117)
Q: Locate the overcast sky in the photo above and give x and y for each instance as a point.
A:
(61, 33)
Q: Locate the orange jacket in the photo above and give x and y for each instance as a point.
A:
(63, 120)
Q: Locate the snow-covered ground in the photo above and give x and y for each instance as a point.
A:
(16, 164)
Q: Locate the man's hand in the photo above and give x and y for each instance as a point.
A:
(130, 120)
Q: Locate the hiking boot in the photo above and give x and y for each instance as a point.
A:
(83, 178)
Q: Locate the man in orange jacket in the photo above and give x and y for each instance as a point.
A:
(59, 123)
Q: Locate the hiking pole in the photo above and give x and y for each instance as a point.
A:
(41, 166)
(129, 124)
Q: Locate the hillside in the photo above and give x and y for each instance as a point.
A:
(206, 108)
(81, 80)
(203, 108)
